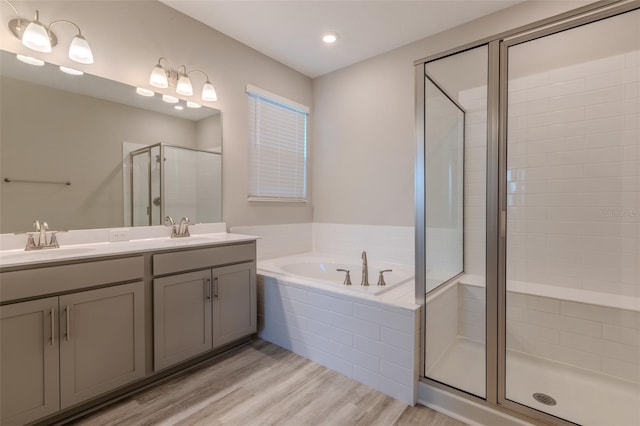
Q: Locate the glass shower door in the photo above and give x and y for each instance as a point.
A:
(455, 151)
(572, 279)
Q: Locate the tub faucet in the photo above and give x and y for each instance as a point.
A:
(365, 269)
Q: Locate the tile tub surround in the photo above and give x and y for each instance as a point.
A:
(373, 342)
(388, 243)
(372, 339)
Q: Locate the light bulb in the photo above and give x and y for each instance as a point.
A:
(208, 92)
(30, 60)
(158, 77)
(71, 71)
(184, 85)
(80, 51)
(36, 36)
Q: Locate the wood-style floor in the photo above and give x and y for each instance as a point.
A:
(263, 384)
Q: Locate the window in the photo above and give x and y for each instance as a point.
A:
(277, 147)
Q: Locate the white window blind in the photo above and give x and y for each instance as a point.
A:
(277, 148)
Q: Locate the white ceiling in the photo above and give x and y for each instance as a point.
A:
(290, 31)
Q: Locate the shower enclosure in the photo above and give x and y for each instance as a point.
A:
(542, 128)
(175, 181)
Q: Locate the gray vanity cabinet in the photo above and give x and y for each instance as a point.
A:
(197, 312)
(29, 361)
(181, 317)
(101, 341)
(59, 351)
(234, 302)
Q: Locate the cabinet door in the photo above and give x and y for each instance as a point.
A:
(181, 317)
(234, 302)
(29, 361)
(102, 341)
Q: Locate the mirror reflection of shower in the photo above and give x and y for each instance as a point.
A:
(185, 183)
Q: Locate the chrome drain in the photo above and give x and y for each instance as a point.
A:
(545, 399)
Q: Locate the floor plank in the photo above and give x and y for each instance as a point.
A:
(262, 384)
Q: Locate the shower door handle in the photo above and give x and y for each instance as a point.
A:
(503, 223)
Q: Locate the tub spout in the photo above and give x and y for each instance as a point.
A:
(365, 269)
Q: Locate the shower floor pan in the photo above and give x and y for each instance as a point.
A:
(582, 396)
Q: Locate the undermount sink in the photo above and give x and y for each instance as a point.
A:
(45, 253)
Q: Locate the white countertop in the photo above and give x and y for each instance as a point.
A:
(20, 257)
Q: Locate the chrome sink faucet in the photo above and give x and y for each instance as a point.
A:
(183, 227)
(41, 230)
(365, 269)
(180, 230)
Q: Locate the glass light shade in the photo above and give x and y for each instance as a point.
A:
(191, 104)
(184, 86)
(144, 92)
(71, 71)
(36, 37)
(30, 60)
(170, 99)
(158, 77)
(208, 92)
(80, 51)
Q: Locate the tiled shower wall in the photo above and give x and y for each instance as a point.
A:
(573, 179)
(574, 176)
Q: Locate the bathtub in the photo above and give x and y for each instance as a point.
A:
(322, 269)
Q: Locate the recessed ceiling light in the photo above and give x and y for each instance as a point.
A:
(144, 92)
(329, 38)
(179, 107)
(170, 99)
(71, 71)
(191, 104)
(30, 60)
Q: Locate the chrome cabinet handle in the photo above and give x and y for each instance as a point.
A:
(53, 327)
(207, 284)
(68, 333)
(215, 288)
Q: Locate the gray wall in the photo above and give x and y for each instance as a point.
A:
(364, 146)
(128, 37)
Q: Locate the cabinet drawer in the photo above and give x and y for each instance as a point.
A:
(168, 263)
(55, 279)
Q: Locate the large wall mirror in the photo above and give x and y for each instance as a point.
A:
(58, 128)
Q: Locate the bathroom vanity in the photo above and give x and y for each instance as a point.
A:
(82, 328)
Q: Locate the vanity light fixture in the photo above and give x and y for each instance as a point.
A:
(39, 37)
(30, 60)
(163, 76)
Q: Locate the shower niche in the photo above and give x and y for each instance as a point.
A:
(174, 181)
